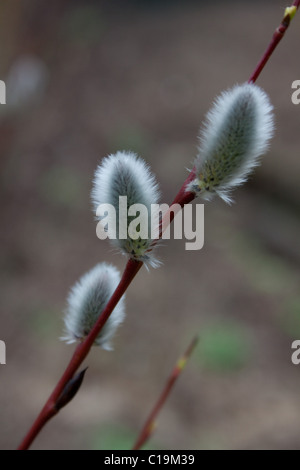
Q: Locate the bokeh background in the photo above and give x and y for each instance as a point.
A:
(84, 79)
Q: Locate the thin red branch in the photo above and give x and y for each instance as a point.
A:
(277, 36)
(183, 197)
(80, 354)
(83, 348)
(149, 426)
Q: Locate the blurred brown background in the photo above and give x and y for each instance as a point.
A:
(84, 79)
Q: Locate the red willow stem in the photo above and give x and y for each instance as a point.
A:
(277, 36)
(131, 269)
(82, 350)
(149, 426)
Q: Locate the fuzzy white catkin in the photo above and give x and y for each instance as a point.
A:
(125, 174)
(87, 300)
(237, 131)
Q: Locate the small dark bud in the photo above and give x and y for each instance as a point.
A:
(70, 390)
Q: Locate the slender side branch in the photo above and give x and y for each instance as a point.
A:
(149, 426)
(183, 197)
(277, 36)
